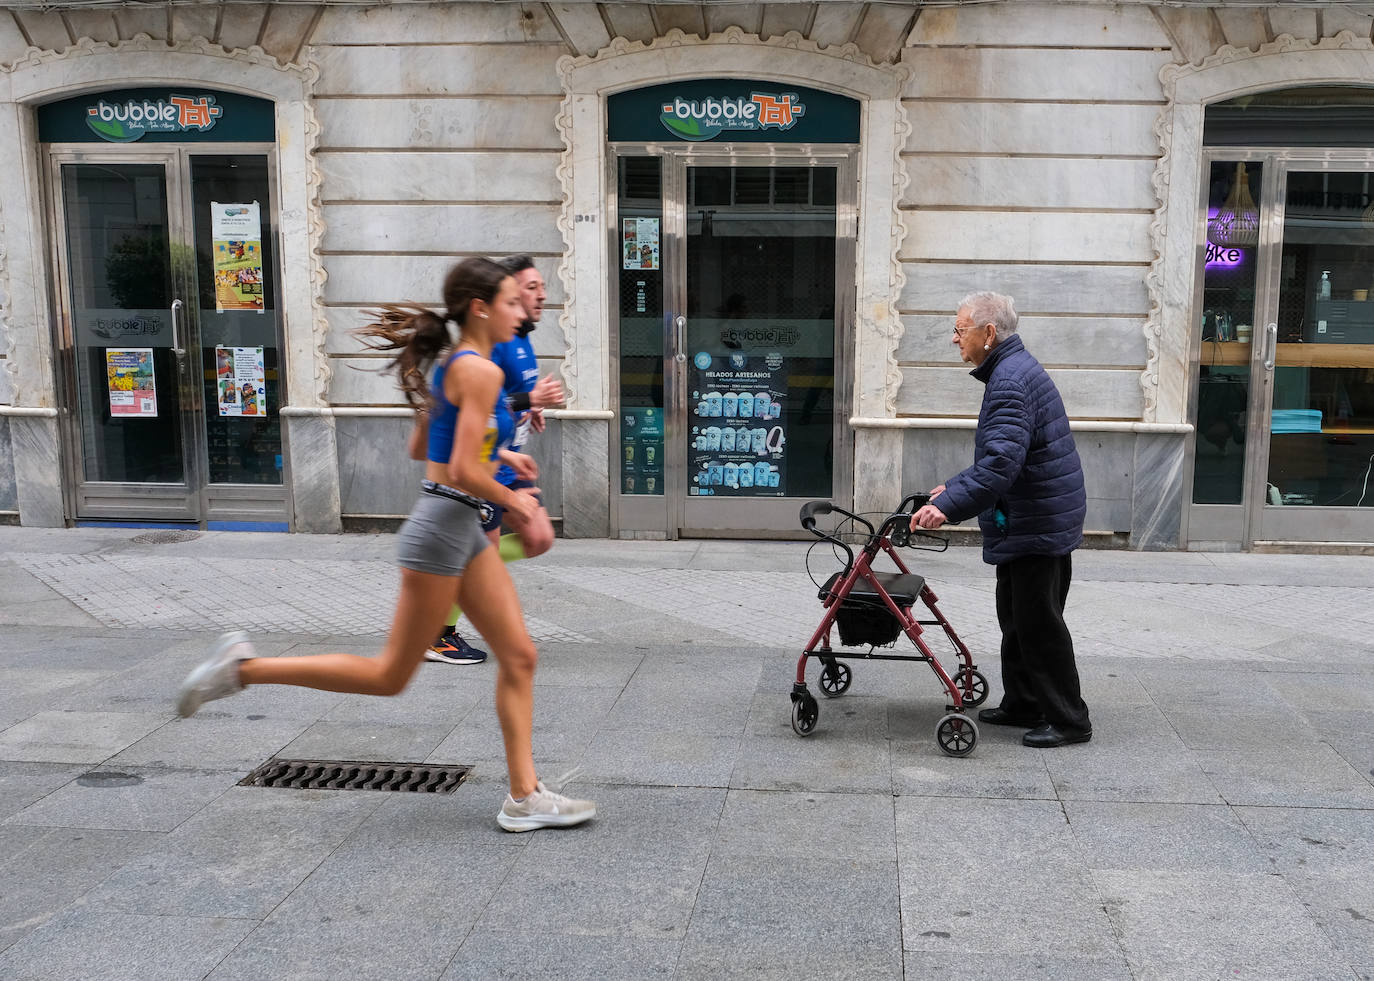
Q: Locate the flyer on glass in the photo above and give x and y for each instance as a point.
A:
(236, 230)
(736, 446)
(241, 381)
(133, 387)
(639, 239)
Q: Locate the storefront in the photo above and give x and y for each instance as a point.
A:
(755, 222)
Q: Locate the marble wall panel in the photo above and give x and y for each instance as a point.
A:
(582, 25)
(1029, 73)
(1088, 393)
(548, 338)
(440, 177)
(1108, 475)
(450, 229)
(997, 25)
(883, 30)
(1157, 492)
(835, 23)
(491, 69)
(12, 41)
(99, 25)
(1243, 28)
(878, 476)
(1060, 341)
(375, 475)
(1029, 182)
(586, 478)
(547, 450)
(312, 446)
(6, 383)
(779, 18)
(491, 122)
(442, 23)
(356, 280)
(201, 20)
(152, 22)
(34, 448)
(9, 494)
(937, 287)
(1337, 19)
(931, 456)
(686, 18)
(1013, 236)
(748, 17)
(241, 25)
(1301, 22)
(1194, 33)
(632, 21)
(286, 30)
(46, 29)
(1049, 128)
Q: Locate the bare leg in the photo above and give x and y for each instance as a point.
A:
(488, 596)
(424, 602)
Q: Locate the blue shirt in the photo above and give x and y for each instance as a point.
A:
(516, 358)
(443, 420)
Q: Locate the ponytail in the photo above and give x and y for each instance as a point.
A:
(419, 334)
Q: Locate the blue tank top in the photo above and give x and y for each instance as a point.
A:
(443, 420)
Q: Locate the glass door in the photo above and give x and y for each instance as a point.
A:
(1315, 485)
(126, 272)
(169, 335)
(736, 296)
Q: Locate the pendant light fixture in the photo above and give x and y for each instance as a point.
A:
(1236, 223)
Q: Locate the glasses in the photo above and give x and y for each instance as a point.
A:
(959, 332)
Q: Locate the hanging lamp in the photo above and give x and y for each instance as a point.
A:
(1236, 223)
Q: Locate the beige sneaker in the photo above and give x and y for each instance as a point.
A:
(218, 677)
(544, 809)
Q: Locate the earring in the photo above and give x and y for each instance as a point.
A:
(987, 347)
(482, 315)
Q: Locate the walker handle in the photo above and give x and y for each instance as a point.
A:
(809, 512)
(917, 501)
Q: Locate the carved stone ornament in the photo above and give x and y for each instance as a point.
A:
(89, 65)
(1344, 59)
(623, 65)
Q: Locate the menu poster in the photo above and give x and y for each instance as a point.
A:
(132, 381)
(641, 446)
(736, 445)
(241, 381)
(236, 230)
(639, 242)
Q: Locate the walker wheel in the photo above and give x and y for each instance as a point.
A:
(957, 734)
(835, 678)
(804, 713)
(972, 686)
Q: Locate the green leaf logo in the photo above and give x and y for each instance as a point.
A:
(113, 131)
(687, 129)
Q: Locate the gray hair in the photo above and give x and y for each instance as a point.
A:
(986, 307)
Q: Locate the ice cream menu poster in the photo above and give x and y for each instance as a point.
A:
(736, 444)
(641, 445)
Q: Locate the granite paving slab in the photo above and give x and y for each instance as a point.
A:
(23, 783)
(75, 737)
(493, 954)
(132, 798)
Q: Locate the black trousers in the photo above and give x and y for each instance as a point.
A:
(1039, 676)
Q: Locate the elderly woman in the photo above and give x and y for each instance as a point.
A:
(1026, 487)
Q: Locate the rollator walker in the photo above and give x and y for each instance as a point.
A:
(871, 609)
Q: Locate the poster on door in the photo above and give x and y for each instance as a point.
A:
(639, 241)
(132, 382)
(736, 443)
(641, 447)
(236, 231)
(241, 381)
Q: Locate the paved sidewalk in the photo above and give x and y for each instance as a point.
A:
(1220, 823)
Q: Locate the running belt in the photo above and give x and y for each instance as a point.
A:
(483, 509)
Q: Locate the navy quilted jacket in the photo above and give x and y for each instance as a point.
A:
(1026, 482)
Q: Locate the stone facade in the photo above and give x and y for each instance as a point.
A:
(1050, 151)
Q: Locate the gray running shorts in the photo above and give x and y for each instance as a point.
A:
(441, 536)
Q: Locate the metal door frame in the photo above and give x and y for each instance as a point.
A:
(1244, 524)
(136, 498)
(773, 517)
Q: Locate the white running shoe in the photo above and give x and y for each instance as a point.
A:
(217, 677)
(544, 809)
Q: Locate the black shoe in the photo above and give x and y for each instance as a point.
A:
(1048, 736)
(1001, 717)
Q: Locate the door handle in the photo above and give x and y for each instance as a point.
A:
(1273, 331)
(177, 349)
(680, 340)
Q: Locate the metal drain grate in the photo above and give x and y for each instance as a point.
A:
(419, 778)
(165, 537)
